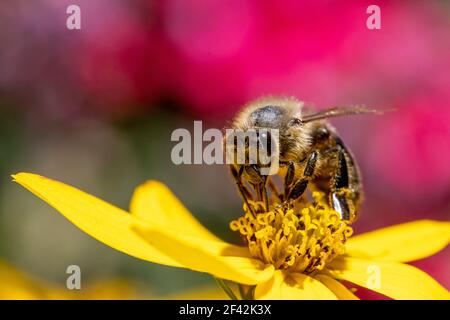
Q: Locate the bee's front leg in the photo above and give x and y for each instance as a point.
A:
(289, 178)
(300, 185)
(259, 182)
(243, 191)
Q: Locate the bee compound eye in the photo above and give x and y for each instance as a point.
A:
(265, 141)
(295, 122)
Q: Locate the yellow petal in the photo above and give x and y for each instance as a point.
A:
(218, 258)
(402, 243)
(14, 285)
(341, 291)
(293, 286)
(96, 217)
(156, 204)
(114, 289)
(393, 279)
(201, 293)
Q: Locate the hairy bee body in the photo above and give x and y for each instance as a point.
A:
(310, 153)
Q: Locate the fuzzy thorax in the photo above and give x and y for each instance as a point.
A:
(303, 237)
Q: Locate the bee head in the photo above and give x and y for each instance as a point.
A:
(268, 117)
(274, 116)
(284, 117)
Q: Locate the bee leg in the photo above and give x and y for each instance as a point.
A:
(259, 183)
(339, 197)
(265, 194)
(289, 178)
(300, 186)
(243, 191)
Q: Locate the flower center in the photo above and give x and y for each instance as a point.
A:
(300, 237)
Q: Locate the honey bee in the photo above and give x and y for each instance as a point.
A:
(309, 151)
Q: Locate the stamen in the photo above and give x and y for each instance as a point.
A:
(299, 237)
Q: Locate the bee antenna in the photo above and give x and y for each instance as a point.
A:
(341, 111)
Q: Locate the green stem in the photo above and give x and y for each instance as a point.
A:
(242, 292)
(226, 288)
(246, 292)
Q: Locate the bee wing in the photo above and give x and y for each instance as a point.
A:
(339, 111)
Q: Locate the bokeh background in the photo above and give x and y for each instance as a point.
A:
(96, 107)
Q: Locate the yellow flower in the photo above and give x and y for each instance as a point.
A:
(16, 285)
(161, 230)
(199, 293)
